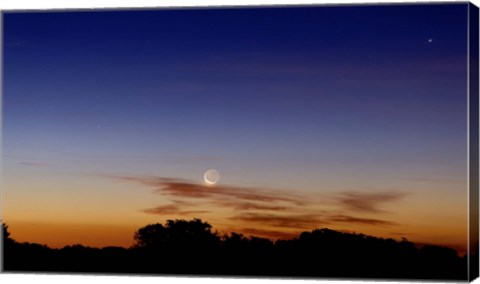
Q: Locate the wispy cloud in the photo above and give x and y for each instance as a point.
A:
(366, 221)
(247, 206)
(265, 212)
(172, 209)
(401, 234)
(72, 158)
(271, 234)
(368, 201)
(181, 188)
(303, 221)
(33, 164)
(437, 180)
(185, 189)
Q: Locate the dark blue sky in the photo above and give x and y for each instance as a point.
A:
(359, 110)
(318, 88)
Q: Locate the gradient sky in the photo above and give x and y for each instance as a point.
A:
(352, 118)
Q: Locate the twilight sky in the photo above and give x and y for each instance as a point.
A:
(352, 118)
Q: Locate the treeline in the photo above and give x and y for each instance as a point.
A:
(192, 248)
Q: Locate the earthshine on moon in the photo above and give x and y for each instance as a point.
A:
(211, 176)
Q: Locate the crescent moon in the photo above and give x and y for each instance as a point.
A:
(211, 177)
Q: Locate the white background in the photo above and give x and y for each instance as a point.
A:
(63, 4)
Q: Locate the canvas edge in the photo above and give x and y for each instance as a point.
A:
(473, 141)
(473, 120)
(1, 139)
(236, 6)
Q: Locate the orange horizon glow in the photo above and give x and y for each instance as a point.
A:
(269, 213)
(104, 235)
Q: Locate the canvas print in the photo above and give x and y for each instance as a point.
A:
(318, 141)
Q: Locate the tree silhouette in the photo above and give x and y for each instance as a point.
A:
(176, 234)
(7, 240)
(176, 245)
(235, 240)
(191, 247)
(150, 236)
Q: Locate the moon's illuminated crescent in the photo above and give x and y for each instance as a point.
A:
(211, 176)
